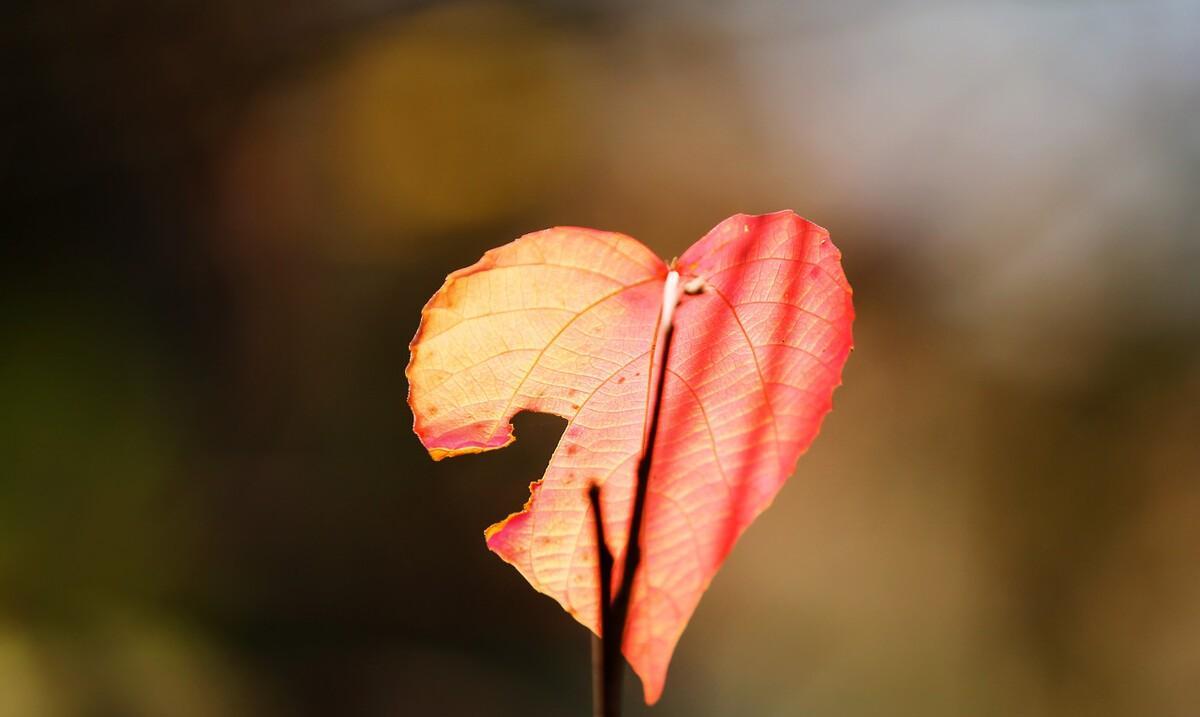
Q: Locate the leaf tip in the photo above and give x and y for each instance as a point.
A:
(496, 528)
(438, 453)
(490, 531)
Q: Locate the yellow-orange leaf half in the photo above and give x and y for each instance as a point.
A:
(564, 321)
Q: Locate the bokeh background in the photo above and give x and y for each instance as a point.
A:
(222, 217)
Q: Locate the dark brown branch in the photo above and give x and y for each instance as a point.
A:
(601, 706)
(633, 547)
(607, 682)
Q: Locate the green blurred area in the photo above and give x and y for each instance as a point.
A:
(221, 221)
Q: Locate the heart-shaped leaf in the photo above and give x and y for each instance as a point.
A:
(564, 321)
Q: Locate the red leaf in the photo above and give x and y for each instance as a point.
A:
(563, 321)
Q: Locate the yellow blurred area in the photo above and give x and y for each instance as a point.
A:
(128, 669)
(460, 117)
(454, 118)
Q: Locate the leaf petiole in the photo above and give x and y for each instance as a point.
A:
(607, 664)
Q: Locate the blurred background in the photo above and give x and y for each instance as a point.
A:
(222, 217)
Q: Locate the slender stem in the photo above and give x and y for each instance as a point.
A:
(633, 547)
(607, 665)
(601, 705)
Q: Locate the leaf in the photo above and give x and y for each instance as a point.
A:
(563, 321)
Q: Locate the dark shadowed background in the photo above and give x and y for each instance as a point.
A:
(221, 218)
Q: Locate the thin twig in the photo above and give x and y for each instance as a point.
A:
(633, 547)
(613, 614)
(601, 706)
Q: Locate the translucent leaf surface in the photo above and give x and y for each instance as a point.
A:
(564, 321)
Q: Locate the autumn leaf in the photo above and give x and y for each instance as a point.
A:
(564, 321)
